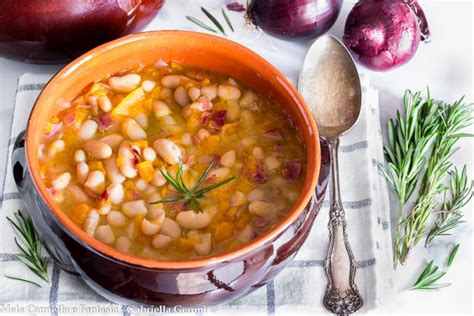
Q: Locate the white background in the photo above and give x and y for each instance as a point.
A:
(445, 65)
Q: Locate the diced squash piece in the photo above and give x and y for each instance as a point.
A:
(187, 244)
(131, 105)
(231, 213)
(98, 89)
(80, 212)
(243, 220)
(211, 143)
(224, 231)
(146, 170)
(142, 144)
(96, 165)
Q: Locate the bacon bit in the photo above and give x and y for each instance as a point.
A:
(205, 159)
(180, 205)
(291, 170)
(205, 117)
(277, 150)
(190, 160)
(235, 6)
(69, 118)
(93, 195)
(259, 176)
(161, 63)
(135, 194)
(261, 223)
(275, 191)
(52, 192)
(105, 195)
(214, 127)
(219, 117)
(196, 140)
(52, 130)
(84, 106)
(104, 122)
(273, 134)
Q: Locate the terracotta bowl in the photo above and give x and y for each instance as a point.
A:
(129, 279)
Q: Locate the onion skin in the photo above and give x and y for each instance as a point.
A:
(385, 34)
(288, 19)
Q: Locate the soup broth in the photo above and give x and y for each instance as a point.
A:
(172, 163)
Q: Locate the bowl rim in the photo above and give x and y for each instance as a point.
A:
(313, 153)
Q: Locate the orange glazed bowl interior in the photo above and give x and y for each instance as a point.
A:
(192, 49)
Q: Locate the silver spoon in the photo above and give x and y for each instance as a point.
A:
(330, 84)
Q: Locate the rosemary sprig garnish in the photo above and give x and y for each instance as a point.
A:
(428, 128)
(226, 18)
(450, 215)
(431, 274)
(213, 20)
(201, 24)
(192, 195)
(30, 248)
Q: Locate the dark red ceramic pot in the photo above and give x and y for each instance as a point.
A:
(56, 31)
(128, 279)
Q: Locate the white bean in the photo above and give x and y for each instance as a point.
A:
(115, 193)
(55, 147)
(105, 234)
(76, 193)
(112, 171)
(181, 96)
(97, 149)
(156, 212)
(150, 227)
(228, 92)
(113, 140)
(167, 150)
(160, 241)
(209, 91)
(257, 152)
(142, 120)
(141, 184)
(238, 199)
(123, 244)
(218, 173)
(193, 220)
(104, 208)
(203, 133)
(165, 93)
(255, 195)
(61, 181)
(41, 154)
(186, 139)
(91, 222)
(171, 81)
(271, 163)
(228, 158)
(170, 228)
(194, 93)
(104, 103)
(82, 171)
(158, 179)
(149, 154)
(261, 208)
(127, 166)
(125, 84)
(160, 109)
(245, 235)
(148, 85)
(87, 130)
(133, 130)
(79, 155)
(204, 246)
(248, 97)
(95, 181)
(116, 218)
(133, 208)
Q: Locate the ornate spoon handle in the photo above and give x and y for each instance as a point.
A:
(342, 296)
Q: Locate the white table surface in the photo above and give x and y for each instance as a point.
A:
(445, 65)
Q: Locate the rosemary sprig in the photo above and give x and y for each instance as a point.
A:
(450, 215)
(201, 24)
(192, 195)
(226, 18)
(431, 274)
(427, 128)
(29, 246)
(213, 20)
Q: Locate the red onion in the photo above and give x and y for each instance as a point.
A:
(385, 33)
(294, 18)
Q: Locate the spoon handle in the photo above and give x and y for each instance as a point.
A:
(342, 296)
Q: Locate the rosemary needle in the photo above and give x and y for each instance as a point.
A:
(227, 20)
(213, 20)
(201, 24)
(22, 280)
(453, 255)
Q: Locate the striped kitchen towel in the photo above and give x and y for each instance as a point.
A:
(297, 290)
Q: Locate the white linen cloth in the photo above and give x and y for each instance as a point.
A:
(298, 290)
